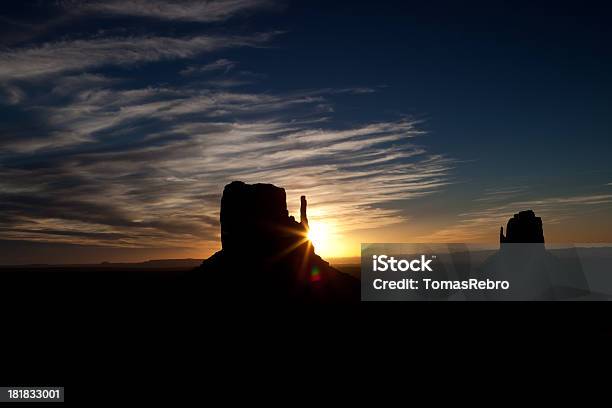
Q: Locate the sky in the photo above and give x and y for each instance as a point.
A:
(121, 121)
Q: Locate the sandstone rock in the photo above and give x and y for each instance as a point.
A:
(524, 227)
(266, 254)
(254, 220)
(303, 216)
(533, 272)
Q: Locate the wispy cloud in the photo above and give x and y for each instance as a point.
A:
(11, 94)
(186, 10)
(222, 64)
(77, 55)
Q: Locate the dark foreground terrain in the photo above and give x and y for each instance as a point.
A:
(78, 326)
(64, 295)
(102, 285)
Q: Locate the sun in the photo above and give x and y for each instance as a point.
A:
(319, 235)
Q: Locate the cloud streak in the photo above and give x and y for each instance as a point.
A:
(186, 10)
(222, 64)
(77, 55)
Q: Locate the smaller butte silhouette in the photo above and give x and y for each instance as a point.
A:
(265, 252)
(523, 227)
(534, 272)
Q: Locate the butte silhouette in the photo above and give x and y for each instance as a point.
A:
(265, 252)
(534, 273)
(523, 228)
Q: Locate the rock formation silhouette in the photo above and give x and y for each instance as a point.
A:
(534, 273)
(266, 254)
(303, 216)
(524, 227)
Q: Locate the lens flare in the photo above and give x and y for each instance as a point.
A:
(315, 275)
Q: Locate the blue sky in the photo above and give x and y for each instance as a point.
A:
(122, 120)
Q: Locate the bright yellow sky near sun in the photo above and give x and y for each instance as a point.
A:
(329, 242)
